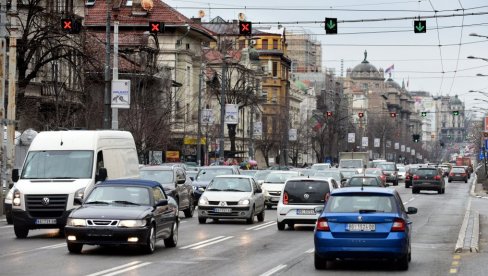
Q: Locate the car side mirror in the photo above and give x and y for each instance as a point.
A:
(318, 210)
(259, 191)
(411, 210)
(78, 200)
(102, 175)
(15, 175)
(162, 202)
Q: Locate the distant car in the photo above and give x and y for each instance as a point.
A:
(377, 171)
(124, 212)
(458, 174)
(321, 166)
(175, 184)
(365, 180)
(466, 168)
(334, 173)
(299, 199)
(207, 173)
(347, 173)
(428, 178)
(273, 185)
(391, 171)
(232, 197)
(363, 223)
(445, 169)
(401, 172)
(409, 175)
(176, 164)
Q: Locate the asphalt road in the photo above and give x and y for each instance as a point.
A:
(236, 248)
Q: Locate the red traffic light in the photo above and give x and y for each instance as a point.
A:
(329, 113)
(67, 24)
(361, 114)
(245, 27)
(393, 114)
(156, 27)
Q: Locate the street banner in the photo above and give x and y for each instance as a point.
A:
(420, 156)
(351, 138)
(365, 142)
(402, 148)
(413, 152)
(207, 117)
(120, 94)
(258, 129)
(408, 149)
(231, 114)
(397, 146)
(376, 142)
(388, 144)
(486, 123)
(292, 134)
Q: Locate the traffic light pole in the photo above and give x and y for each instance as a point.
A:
(115, 73)
(106, 98)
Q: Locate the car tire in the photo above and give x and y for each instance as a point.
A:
(439, 191)
(189, 212)
(403, 262)
(150, 245)
(319, 262)
(21, 232)
(202, 220)
(75, 248)
(261, 215)
(172, 240)
(281, 226)
(250, 220)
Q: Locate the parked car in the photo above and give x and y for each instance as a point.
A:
(428, 178)
(458, 174)
(377, 171)
(232, 197)
(175, 183)
(391, 171)
(207, 173)
(299, 199)
(370, 180)
(363, 223)
(409, 175)
(273, 186)
(124, 212)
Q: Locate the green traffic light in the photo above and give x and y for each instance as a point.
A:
(424, 114)
(455, 113)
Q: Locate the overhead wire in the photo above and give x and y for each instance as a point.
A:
(459, 49)
(440, 47)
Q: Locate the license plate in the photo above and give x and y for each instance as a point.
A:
(305, 212)
(361, 227)
(222, 210)
(45, 221)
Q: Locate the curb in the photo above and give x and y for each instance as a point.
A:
(473, 185)
(475, 236)
(462, 232)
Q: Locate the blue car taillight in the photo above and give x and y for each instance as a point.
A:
(399, 225)
(322, 225)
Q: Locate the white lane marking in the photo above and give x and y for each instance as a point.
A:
(53, 246)
(184, 221)
(114, 268)
(210, 243)
(408, 201)
(264, 226)
(273, 270)
(311, 250)
(202, 242)
(7, 226)
(127, 269)
(260, 225)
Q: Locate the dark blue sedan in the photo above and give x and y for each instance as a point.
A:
(363, 223)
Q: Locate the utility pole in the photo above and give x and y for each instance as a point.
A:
(107, 94)
(199, 124)
(251, 134)
(115, 72)
(222, 109)
(284, 150)
(11, 89)
(3, 55)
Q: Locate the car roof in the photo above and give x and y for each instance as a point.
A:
(157, 168)
(364, 189)
(313, 178)
(364, 175)
(234, 176)
(217, 167)
(130, 182)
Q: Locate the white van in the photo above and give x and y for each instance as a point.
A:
(59, 166)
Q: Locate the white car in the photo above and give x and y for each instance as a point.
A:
(273, 185)
(401, 172)
(231, 197)
(301, 196)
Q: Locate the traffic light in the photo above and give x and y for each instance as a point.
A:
(423, 114)
(455, 113)
(416, 138)
(330, 25)
(245, 28)
(70, 25)
(393, 114)
(419, 26)
(156, 27)
(361, 114)
(329, 113)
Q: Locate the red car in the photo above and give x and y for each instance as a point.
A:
(377, 171)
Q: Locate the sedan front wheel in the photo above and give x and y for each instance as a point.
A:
(172, 240)
(150, 245)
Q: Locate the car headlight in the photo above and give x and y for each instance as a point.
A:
(76, 222)
(132, 223)
(203, 201)
(244, 201)
(16, 198)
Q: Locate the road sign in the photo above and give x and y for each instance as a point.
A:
(120, 94)
(419, 26)
(351, 138)
(245, 28)
(331, 25)
(376, 142)
(365, 142)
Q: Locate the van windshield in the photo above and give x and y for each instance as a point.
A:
(58, 164)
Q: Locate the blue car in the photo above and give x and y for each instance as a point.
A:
(363, 223)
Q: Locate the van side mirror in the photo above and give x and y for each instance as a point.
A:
(78, 200)
(15, 175)
(319, 210)
(102, 175)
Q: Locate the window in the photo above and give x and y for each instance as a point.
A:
(275, 69)
(158, 194)
(275, 44)
(264, 45)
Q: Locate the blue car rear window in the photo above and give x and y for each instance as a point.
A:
(351, 203)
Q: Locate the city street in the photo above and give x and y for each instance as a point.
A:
(236, 248)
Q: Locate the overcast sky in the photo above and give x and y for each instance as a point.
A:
(416, 57)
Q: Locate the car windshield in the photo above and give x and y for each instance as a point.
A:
(277, 177)
(58, 164)
(209, 174)
(387, 167)
(351, 164)
(261, 175)
(348, 174)
(335, 175)
(230, 184)
(364, 202)
(161, 176)
(426, 172)
(363, 181)
(306, 192)
(125, 195)
(320, 166)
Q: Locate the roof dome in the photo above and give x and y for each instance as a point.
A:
(391, 83)
(456, 100)
(365, 70)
